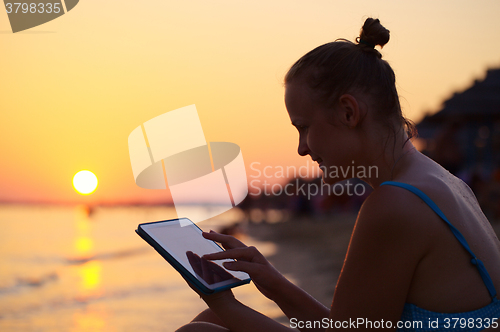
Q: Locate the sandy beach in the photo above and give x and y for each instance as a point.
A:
(310, 251)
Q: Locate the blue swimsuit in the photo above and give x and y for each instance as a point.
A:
(470, 321)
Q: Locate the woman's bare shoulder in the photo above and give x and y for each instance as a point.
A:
(396, 207)
(396, 218)
(406, 215)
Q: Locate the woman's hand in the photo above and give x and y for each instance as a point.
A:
(248, 259)
(219, 296)
(207, 270)
(293, 301)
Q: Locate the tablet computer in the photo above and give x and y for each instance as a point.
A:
(180, 242)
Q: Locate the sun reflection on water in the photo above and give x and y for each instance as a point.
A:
(94, 320)
(83, 245)
(89, 274)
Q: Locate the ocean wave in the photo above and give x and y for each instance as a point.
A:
(29, 282)
(108, 256)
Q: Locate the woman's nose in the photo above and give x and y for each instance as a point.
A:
(303, 147)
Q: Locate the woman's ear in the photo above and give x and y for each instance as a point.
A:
(349, 110)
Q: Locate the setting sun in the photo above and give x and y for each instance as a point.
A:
(85, 182)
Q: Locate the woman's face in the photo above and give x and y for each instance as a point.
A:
(330, 145)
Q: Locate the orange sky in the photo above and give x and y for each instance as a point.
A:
(73, 89)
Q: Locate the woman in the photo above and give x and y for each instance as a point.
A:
(406, 267)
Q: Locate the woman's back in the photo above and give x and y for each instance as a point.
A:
(445, 280)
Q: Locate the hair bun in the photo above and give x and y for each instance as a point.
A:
(373, 33)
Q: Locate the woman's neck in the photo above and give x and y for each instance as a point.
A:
(391, 161)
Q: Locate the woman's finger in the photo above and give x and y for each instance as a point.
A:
(207, 274)
(244, 266)
(227, 241)
(195, 262)
(247, 253)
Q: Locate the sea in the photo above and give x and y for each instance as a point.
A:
(81, 269)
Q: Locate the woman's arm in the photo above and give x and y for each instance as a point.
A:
(298, 304)
(388, 242)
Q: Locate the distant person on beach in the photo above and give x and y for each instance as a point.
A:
(422, 256)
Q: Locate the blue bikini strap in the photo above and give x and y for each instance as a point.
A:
(478, 263)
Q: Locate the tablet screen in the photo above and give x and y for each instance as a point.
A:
(186, 245)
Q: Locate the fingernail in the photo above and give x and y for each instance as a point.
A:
(211, 231)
